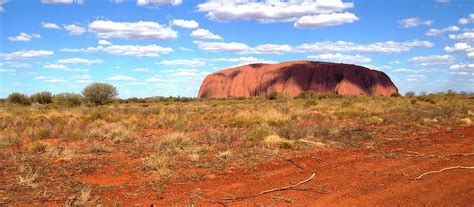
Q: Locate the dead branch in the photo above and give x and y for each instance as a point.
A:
(457, 154)
(444, 169)
(289, 187)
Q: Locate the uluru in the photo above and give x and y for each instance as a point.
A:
(294, 77)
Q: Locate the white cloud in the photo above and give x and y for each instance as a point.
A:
(436, 32)
(136, 84)
(241, 60)
(23, 37)
(340, 58)
(27, 54)
(269, 11)
(141, 70)
(183, 62)
(388, 47)
(221, 46)
(103, 42)
(126, 50)
(16, 65)
(466, 36)
(141, 30)
(62, 1)
(48, 25)
(413, 78)
(55, 80)
(121, 78)
(325, 20)
(1, 5)
(41, 77)
(470, 55)
(156, 79)
(81, 77)
(55, 66)
(432, 60)
(459, 47)
(414, 22)
(205, 34)
(156, 3)
(442, 1)
(462, 66)
(80, 61)
(271, 49)
(467, 20)
(188, 24)
(75, 30)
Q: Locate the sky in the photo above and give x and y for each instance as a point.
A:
(166, 47)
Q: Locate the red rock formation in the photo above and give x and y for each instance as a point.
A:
(295, 77)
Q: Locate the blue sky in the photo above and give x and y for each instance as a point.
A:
(166, 47)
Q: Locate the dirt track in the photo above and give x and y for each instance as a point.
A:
(368, 177)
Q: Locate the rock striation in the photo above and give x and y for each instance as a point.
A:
(294, 77)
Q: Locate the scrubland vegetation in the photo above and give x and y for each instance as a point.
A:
(52, 144)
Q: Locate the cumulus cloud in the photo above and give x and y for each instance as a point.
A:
(183, 62)
(62, 1)
(340, 58)
(467, 20)
(1, 5)
(271, 49)
(414, 22)
(459, 47)
(436, 32)
(48, 25)
(388, 47)
(81, 61)
(325, 20)
(466, 36)
(205, 34)
(241, 60)
(269, 11)
(188, 24)
(156, 3)
(462, 66)
(75, 30)
(81, 77)
(141, 70)
(54, 66)
(27, 54)
(305, 13)
(156, 79)
(221, 46)
(103, 42)
(121, 78)
(126, 50)
(415, 78)
(23, 37)
(432, 60)
(141, 30)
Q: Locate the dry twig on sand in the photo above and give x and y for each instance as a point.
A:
(289, 187)
(444, 169)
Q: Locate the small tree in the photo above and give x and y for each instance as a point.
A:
(42, 97)
(396, 94)
(100, 93)
(410, 94)
(67, 99)
(18, 98)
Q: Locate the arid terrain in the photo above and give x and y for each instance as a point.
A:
(325, 150)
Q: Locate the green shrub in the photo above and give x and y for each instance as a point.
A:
(67, 99)
(18, 98)
(410, 94)
(100, 93)
(259, 132)
(277, 96)
(305, 95)
(374, 120)
(42, 97)
(396, 94)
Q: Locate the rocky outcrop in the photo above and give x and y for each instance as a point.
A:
(295, 77)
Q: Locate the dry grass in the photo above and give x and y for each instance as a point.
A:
(165, 138)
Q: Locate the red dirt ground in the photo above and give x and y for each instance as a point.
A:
(379, 176)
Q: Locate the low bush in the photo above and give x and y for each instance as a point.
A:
(18, 98)
(42, 97)
(67, 99)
